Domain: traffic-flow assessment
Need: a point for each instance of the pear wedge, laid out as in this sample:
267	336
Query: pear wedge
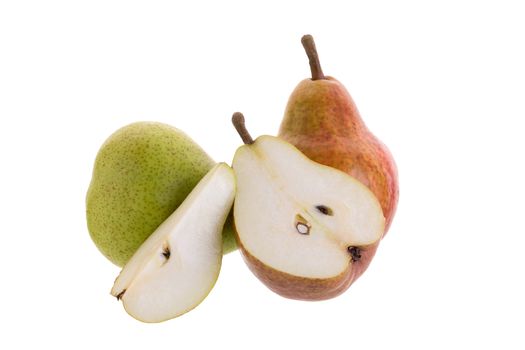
178	265
303	228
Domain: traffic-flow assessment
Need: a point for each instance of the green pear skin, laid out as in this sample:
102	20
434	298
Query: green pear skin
142	173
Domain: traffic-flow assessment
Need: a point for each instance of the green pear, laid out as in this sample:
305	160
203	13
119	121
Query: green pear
142	173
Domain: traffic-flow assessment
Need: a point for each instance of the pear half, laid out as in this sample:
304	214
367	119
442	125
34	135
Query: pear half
178	265
303	228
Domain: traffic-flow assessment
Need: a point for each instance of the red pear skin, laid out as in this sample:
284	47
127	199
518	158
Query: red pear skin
322	121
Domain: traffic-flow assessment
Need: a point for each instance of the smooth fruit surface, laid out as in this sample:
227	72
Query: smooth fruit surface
142	173
178	265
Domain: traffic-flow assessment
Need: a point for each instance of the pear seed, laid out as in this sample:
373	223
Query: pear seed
166	253
325	210
302	228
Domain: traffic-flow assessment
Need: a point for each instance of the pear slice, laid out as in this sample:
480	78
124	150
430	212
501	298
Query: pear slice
178	265
301	226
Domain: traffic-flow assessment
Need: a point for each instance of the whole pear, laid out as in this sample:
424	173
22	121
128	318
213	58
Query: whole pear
322	120
142	173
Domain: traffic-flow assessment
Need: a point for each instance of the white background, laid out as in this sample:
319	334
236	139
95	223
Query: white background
443	85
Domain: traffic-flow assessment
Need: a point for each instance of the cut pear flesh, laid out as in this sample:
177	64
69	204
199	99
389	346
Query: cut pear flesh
298	216
178	265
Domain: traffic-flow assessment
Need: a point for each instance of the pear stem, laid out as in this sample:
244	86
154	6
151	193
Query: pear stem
240	126
315	66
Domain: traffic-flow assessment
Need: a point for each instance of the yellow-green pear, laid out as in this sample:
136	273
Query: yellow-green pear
142	173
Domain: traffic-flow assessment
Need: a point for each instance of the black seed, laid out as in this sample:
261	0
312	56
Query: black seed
166	252
325	210
355	252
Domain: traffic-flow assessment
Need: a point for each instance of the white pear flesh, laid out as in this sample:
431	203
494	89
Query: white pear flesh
298	216
178	265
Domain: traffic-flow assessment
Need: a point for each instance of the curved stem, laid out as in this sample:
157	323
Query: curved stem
238	123
315	66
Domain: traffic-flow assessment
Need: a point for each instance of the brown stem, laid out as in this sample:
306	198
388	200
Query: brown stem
238	122
315	66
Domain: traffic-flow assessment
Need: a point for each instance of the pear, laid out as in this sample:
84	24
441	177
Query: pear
178	265
322	120
303	228
142	173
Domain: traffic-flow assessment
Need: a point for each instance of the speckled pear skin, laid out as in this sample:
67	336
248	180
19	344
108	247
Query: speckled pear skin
322	120
142	173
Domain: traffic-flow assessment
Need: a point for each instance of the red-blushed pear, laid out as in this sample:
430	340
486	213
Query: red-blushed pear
322	121
178	265
303	228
